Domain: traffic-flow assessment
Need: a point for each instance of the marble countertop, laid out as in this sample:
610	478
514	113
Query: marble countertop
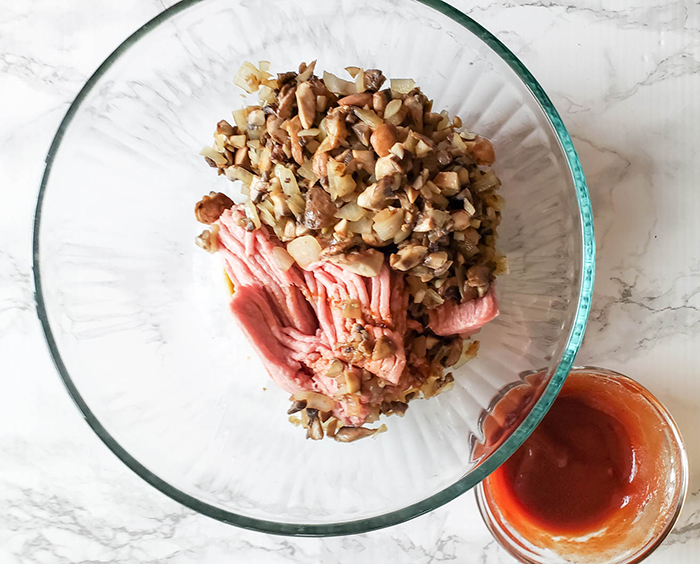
625	76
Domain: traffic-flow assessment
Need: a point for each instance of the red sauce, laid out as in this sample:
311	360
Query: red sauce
586	466
578	454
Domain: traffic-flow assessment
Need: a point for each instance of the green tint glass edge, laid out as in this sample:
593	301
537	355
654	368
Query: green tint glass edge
449	493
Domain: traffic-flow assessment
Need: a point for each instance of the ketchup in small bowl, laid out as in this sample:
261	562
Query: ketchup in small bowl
601	479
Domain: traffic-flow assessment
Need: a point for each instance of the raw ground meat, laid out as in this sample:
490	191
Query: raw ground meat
295	320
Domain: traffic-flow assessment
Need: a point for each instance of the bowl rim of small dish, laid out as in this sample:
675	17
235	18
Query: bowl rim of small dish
463	484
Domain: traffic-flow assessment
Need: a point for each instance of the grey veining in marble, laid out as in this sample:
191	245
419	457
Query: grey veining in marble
624	75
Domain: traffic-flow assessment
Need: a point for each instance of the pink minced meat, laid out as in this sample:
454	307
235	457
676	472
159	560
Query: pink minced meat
295	320
463	319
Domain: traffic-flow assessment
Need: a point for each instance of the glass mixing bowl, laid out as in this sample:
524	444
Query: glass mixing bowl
136	315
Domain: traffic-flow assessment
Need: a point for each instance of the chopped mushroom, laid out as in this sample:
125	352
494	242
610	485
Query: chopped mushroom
386	166
296	407
315	428
359	100
294	127
384	138
242	159
286	101
415	110
320	90
320	163
380	101
274	129
363	133
351	434
394	407
482	150
207	241
342	172
479	277
408	257
365	263
320	210
285	77
374	79
336	128
377	196
365	160
224	128
210	207
306	102
384	347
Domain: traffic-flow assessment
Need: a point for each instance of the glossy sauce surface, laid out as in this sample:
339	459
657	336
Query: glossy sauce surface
580	470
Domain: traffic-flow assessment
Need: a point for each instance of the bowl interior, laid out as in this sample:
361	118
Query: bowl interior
136	315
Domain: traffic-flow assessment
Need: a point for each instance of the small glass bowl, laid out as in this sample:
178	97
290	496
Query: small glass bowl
646	532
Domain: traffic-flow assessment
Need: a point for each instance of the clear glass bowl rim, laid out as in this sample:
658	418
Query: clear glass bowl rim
462	485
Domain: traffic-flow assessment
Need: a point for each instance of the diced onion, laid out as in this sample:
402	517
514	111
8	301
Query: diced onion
393	108
410	144
272	83
422	149
306	171
211	153
448	181
248	77
402	85
385	166
237	141
239	173
279	205
219	140
287	180
388	222
266	217
487	181
341	227
402	235
315	400
351	212
469	207
360	81
459	143
308	71
362	226
469	352
339	184
338	85
309	132
267	95
282	258
266	205
305	250
369	117
251	213
241	118
364	200
297	205
353	71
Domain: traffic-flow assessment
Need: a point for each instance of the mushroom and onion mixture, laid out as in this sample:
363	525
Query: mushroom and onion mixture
361	177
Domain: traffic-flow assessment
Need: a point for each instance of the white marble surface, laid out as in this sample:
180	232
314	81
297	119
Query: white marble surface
625	75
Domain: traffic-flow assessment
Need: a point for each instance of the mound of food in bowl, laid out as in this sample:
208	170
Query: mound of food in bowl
362	250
